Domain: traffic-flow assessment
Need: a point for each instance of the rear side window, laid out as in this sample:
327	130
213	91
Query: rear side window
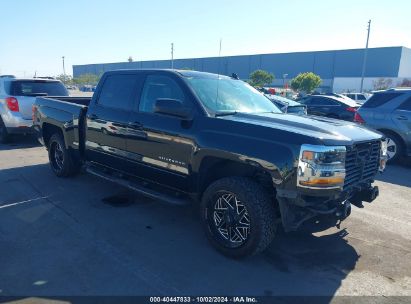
32	88
406	105
306	101
118	91
361	97
352	96
323	102
379	99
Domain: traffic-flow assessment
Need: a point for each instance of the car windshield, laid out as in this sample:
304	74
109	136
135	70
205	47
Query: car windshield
32	87
223	94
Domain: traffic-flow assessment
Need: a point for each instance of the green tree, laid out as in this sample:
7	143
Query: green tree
66	79
260	78
306	82
90	79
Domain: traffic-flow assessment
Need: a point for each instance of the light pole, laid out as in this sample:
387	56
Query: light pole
64	69
172	55
364	62
284	77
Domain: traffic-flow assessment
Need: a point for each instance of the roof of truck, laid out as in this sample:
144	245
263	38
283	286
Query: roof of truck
186	73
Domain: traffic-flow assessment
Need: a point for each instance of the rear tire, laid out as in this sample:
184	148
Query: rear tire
394	147
238	216
61	160
4	135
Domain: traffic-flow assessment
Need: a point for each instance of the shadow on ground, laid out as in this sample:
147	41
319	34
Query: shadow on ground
398	173
73	239
20	142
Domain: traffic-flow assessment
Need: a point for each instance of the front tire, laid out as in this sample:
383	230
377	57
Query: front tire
238	216
61	160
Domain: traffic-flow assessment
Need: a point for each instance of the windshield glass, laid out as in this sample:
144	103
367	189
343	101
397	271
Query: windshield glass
229	95
51	88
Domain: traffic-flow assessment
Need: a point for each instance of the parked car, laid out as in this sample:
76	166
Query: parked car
337	95
287	105
358	97
330	106
248	165
16	100
390	113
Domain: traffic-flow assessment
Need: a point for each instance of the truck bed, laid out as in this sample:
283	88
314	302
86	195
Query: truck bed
85	101
66	113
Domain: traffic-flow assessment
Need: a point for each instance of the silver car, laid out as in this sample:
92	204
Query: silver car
16	100
390	113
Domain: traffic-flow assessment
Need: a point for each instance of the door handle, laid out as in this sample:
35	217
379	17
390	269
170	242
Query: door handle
402	117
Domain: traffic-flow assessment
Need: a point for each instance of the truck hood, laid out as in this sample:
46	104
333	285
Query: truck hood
327	130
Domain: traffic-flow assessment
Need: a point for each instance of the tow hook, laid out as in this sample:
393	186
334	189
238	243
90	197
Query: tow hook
367	195
373	194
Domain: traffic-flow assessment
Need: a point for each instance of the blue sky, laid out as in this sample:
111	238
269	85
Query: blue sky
36	33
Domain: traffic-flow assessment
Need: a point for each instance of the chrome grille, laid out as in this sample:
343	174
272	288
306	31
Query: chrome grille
361	163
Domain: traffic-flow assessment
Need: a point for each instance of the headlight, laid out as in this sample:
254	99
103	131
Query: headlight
321	167
383	155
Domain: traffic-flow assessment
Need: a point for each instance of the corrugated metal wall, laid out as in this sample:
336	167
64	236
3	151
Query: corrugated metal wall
382	62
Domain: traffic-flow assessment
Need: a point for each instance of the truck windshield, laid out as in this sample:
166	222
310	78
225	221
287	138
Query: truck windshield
230	95
32	87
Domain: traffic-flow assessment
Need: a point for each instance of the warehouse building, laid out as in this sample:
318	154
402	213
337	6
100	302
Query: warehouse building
340	70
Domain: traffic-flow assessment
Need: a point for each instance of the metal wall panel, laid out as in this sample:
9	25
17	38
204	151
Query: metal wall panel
382	62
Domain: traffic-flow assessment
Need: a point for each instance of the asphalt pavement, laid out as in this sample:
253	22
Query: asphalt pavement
87	236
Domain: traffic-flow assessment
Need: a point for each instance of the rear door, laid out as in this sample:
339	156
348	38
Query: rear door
108	120
160	146
402	118
25	91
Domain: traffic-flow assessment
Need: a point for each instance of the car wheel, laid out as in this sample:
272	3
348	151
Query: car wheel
61	160
4	135
238	216
394	147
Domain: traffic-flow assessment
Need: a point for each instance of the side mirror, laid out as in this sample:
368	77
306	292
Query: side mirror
172	107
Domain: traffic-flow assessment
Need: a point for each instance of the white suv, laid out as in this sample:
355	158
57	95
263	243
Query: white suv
358	97
16	100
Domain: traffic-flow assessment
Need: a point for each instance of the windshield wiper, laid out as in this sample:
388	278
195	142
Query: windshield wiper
225	113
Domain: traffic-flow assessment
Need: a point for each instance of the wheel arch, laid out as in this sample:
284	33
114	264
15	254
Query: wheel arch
402	141
48	130
214	168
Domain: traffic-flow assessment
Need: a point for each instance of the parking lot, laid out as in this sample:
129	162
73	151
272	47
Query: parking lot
86	236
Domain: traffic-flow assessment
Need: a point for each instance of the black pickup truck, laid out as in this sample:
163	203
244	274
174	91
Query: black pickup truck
185	136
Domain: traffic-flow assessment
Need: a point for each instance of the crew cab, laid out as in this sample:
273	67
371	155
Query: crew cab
187	136
16	100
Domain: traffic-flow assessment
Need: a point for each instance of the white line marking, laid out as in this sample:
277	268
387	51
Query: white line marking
23	202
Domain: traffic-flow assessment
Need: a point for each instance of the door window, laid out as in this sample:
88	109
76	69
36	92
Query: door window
406	105
323	102
117	91
159	86
379	99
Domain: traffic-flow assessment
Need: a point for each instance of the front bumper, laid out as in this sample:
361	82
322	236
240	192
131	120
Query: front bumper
297	208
